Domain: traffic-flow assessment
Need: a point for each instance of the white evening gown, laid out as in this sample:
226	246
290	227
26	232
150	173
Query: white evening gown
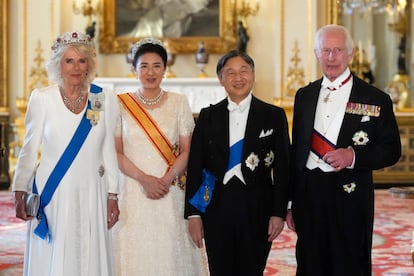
151	237
80	242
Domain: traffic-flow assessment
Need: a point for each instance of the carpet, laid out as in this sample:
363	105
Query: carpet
391	254
12	237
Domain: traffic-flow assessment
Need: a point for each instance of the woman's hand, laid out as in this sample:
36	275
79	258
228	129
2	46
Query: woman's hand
155	188
113	210
20	205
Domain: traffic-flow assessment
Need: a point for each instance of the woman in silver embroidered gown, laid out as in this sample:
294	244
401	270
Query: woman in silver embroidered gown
151	237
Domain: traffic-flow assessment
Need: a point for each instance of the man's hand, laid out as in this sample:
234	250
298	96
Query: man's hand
275	227
340	158
289	221
195	227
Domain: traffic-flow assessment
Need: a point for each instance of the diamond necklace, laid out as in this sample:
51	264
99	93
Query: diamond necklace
72	105
152	101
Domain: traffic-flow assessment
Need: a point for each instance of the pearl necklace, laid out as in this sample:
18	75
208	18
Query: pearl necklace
152	101
72	105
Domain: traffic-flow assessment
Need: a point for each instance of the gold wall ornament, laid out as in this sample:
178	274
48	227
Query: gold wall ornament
87	9
38	74
170	61
244	10
112	42
38	77
361	66
397	88
3	57
295	74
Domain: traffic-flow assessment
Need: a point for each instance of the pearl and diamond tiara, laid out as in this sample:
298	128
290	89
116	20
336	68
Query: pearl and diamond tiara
135	47
72	38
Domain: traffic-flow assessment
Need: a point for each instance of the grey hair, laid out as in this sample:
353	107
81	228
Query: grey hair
349	42
53	66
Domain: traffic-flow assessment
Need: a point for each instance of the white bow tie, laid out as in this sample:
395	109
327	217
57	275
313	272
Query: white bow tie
232	106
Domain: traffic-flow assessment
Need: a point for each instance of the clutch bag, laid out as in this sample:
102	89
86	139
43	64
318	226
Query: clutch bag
32	204
202	197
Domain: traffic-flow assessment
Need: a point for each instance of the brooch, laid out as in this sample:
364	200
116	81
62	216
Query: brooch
349	187
360	138
252	161
101	170
96	99
269	159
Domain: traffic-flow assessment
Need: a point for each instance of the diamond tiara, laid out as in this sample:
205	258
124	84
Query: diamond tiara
72	38
135	47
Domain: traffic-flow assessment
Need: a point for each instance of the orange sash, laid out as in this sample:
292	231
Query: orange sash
149	126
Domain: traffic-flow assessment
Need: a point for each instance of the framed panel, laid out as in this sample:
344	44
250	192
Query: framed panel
3	56
182	24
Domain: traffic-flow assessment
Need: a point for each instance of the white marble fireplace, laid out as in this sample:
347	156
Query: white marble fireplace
201	92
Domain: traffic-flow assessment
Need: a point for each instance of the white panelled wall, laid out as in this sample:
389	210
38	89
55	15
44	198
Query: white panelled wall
273	31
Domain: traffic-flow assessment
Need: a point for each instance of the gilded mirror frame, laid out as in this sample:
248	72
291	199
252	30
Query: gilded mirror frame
3	56
111	43
333	11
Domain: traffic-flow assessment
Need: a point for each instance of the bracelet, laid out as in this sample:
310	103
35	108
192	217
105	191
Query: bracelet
175	173
112	197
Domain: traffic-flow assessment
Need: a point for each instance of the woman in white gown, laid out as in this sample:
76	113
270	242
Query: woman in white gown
83	207
151	238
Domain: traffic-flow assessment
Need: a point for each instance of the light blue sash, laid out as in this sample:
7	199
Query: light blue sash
62	166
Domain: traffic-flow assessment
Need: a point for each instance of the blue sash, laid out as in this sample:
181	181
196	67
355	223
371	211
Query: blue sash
235	154
62	166
202	197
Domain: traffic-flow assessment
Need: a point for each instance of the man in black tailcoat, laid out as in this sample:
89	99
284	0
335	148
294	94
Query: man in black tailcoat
343	129
244	143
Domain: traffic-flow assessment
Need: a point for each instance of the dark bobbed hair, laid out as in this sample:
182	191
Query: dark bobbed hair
150	48
233	53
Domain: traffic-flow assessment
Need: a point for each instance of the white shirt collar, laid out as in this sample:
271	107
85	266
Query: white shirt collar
241	106
338	82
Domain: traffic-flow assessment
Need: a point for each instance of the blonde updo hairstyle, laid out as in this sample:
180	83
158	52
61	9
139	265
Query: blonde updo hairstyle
83	48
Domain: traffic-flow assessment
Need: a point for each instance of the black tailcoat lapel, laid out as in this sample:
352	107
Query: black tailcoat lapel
350	123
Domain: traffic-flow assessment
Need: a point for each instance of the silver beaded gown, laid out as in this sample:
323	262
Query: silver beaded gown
151	237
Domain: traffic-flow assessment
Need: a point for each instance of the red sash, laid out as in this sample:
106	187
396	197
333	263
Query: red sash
320	145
